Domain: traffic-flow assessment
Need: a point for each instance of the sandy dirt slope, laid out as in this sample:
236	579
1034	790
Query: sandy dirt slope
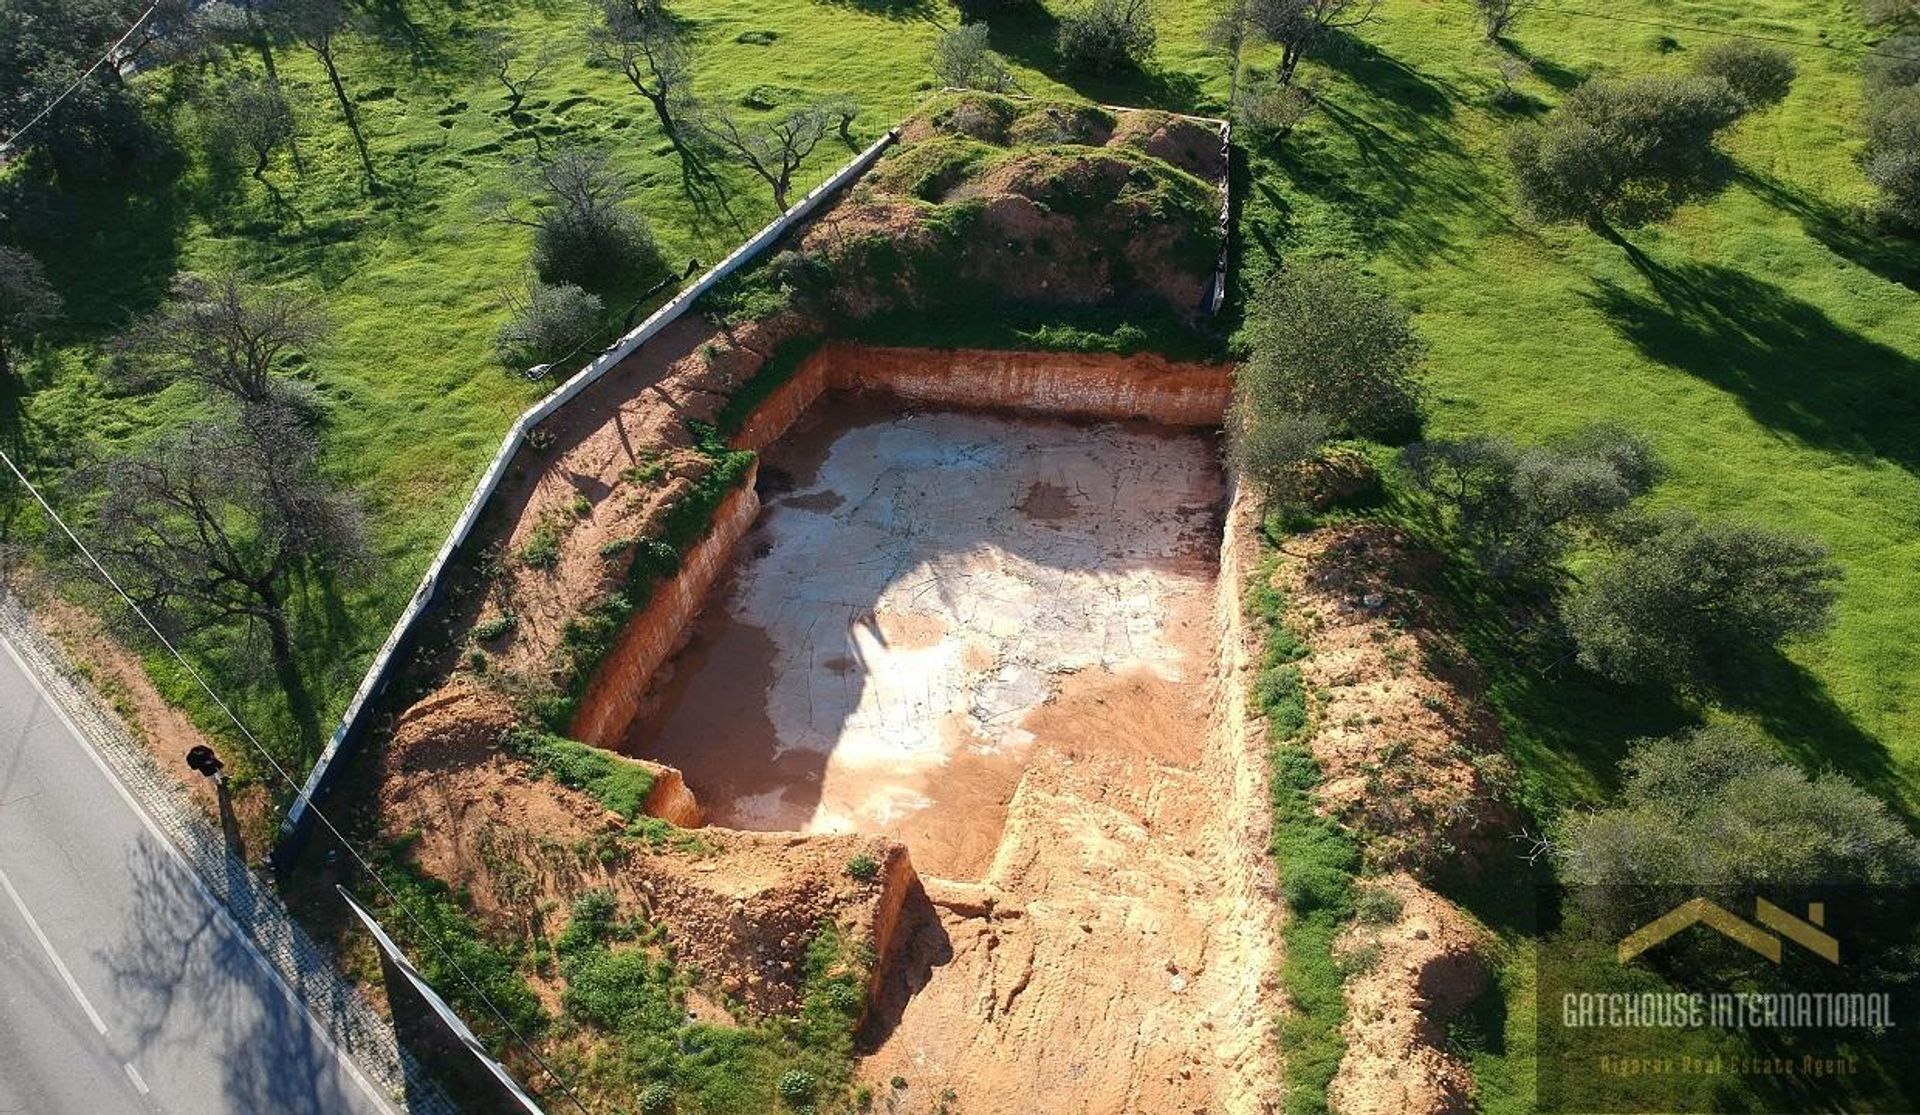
1115	958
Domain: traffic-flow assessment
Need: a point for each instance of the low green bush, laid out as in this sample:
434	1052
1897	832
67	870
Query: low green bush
620	784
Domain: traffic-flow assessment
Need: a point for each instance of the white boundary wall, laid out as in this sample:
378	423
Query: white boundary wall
299	819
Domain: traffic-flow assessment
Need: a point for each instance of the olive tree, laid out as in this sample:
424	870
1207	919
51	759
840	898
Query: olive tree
962	59
1107	36
252	114
1497	17
1892	159
642	40
27	304
1760	74
1685	602
1300	26
1518	508
547	322
1326	340
226	334
1623	149
1717	810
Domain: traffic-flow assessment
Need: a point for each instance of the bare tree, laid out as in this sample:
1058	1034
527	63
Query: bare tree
1497	17
775	150
517	75
319	24
212	523
225	334
645	43
1299	26
27	303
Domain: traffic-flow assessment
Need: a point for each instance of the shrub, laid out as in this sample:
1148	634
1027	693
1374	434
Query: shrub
797	1086
1893	151
1376	905
588	922
542	550
1687	603
1271	110
1758	73
656	1099
1623	149
585	234
863	868
1327	341
1107	36
494	626
547	323
962	59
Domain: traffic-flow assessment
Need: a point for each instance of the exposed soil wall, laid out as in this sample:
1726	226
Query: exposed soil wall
614	696
1056	384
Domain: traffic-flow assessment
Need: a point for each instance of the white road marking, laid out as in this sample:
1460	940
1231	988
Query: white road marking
59	965
133	1074
220	908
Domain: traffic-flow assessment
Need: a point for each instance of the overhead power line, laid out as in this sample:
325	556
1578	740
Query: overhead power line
298	788
68	91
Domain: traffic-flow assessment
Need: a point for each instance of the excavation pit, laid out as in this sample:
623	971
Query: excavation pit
931	600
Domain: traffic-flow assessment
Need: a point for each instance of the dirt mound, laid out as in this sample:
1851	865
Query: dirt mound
739	908
1414	760
1192	145
1031	202
1414	972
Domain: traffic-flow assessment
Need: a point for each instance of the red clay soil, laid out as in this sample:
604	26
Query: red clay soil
1414	972
1116	956
622	452
1192	145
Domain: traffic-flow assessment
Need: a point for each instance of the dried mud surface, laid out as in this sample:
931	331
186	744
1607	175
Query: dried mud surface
929	600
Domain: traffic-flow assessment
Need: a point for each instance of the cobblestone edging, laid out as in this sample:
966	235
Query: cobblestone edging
346	1016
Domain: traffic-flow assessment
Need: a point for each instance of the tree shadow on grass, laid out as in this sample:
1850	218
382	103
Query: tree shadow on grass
1795	708
1029	34
109	249
1547	70
1793	368
1409	180
892	9
1846	232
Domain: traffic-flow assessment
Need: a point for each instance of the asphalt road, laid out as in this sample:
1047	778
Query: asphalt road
123	985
